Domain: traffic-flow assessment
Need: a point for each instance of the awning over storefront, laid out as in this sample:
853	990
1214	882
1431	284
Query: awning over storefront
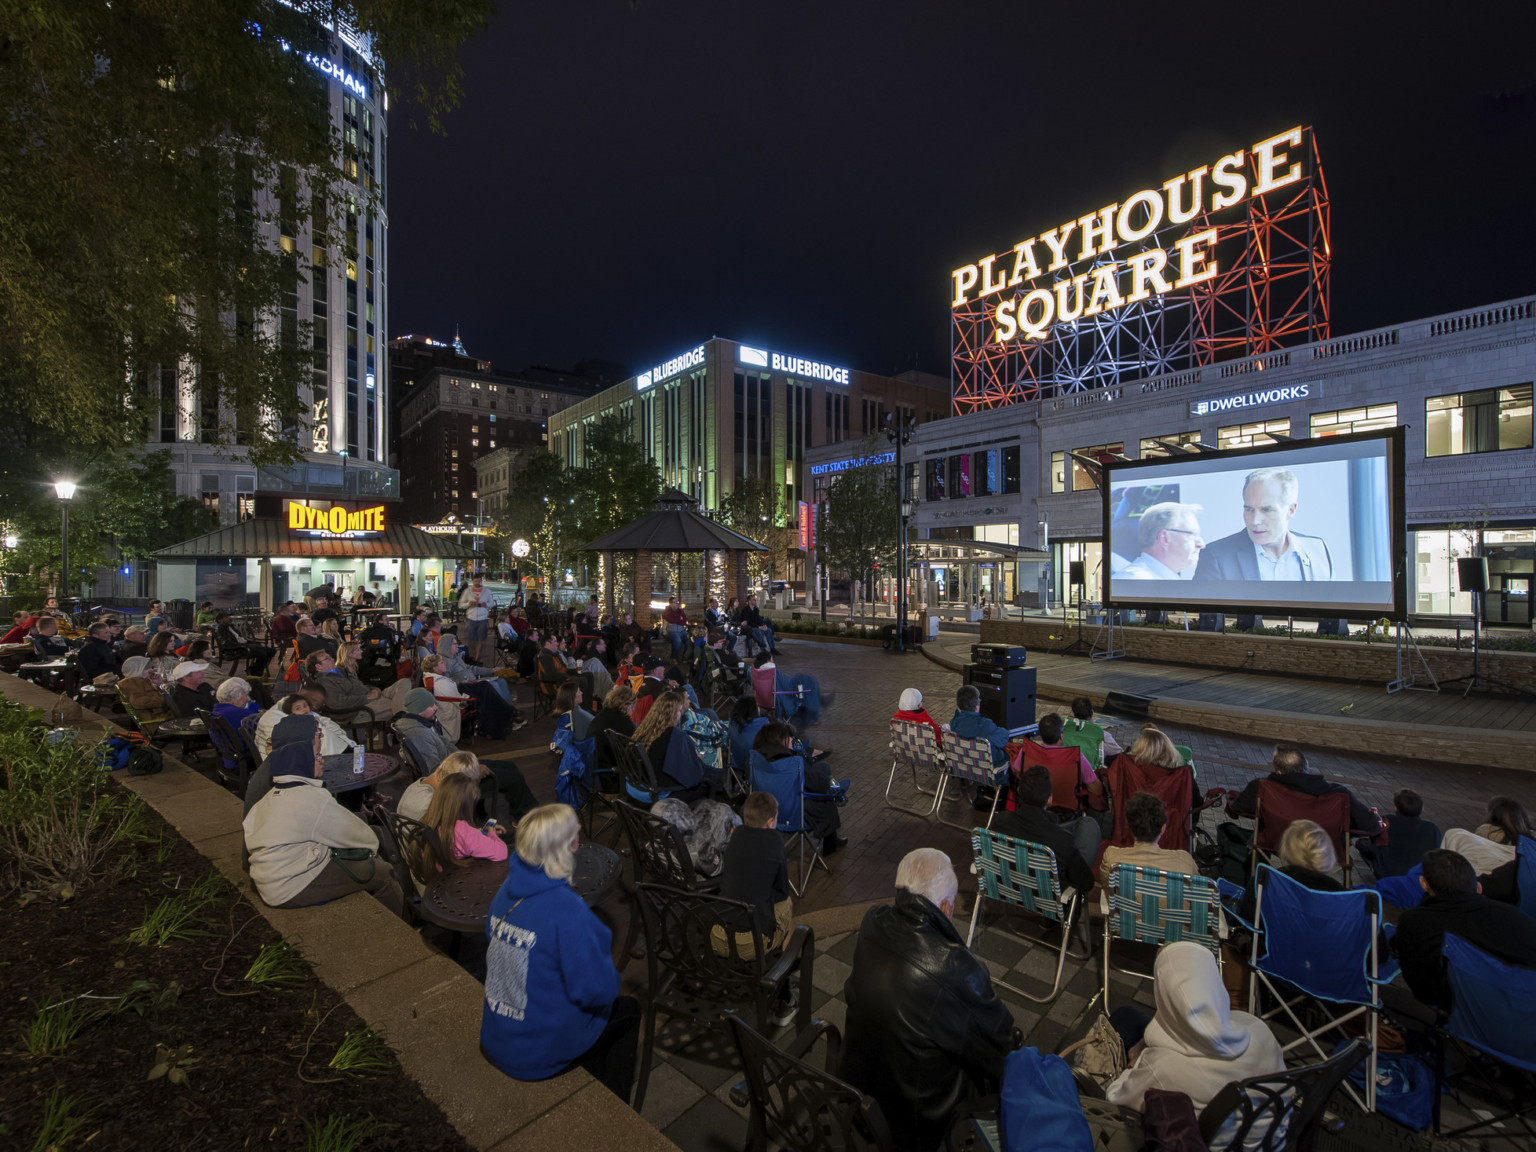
272	538
962	551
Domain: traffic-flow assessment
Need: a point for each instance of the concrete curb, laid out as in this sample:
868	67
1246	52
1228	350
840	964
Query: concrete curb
424	1005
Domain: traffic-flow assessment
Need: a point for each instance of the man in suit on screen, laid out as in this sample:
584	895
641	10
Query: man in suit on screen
1267	548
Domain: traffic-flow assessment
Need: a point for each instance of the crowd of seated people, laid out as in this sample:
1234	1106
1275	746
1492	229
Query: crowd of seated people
552	1000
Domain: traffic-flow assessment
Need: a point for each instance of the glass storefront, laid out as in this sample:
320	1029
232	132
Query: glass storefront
1511	557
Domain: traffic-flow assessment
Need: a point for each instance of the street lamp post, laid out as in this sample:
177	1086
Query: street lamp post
900	433
65	490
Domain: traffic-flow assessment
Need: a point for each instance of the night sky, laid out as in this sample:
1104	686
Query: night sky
624	181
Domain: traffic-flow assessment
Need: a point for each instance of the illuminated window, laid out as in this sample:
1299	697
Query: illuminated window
1150	446
493	419
1249	435
474	427
247	506
474	443
1058	471
1082	479
455	453
475	385
1490	420
493	443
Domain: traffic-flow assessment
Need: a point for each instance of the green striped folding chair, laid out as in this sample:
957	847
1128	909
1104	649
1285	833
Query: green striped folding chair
914	749
1151	906
970	768
1023	874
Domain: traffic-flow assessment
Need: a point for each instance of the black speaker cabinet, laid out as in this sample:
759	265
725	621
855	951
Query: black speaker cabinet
1075	572
1472	573
1007	694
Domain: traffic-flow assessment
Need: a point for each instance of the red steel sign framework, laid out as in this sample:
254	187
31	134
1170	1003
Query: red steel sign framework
1226	261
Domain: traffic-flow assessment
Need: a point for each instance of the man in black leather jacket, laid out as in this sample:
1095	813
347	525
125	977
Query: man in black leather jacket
924	1027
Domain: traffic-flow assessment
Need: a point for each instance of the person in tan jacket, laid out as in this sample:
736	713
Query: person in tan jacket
1147	816
291	831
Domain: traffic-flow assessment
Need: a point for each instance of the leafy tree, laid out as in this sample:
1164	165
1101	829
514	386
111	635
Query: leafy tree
143	145
125	507
859	530
619	483
756	509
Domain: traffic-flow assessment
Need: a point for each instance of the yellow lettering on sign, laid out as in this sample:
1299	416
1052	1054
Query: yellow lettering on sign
334	521
296	514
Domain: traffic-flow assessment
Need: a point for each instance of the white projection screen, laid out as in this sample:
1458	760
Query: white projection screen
1299	528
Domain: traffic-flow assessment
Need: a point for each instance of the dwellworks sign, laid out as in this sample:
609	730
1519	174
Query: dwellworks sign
1251	399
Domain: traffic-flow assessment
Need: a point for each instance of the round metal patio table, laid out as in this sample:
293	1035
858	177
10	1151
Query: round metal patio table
460	898
340	778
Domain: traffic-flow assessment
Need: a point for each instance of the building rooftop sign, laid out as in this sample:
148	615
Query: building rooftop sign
670	368
1162	280
791	365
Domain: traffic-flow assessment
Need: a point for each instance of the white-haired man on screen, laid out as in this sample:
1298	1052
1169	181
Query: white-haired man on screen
1169	534
1267	548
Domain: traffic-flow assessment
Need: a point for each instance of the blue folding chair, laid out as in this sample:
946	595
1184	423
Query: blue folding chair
1323	945
1150	906
784	779
1493	1012
1525	852
1023	874
914	748
970	767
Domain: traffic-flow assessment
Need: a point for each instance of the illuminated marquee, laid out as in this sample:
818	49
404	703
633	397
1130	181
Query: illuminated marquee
335	523
1179	201
793	365
1227	259
671	368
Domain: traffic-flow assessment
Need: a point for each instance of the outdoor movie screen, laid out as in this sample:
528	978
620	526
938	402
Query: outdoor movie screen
1303	528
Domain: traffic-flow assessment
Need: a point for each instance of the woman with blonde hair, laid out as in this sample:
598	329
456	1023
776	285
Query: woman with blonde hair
1153	747
1306	856
551	990
679	769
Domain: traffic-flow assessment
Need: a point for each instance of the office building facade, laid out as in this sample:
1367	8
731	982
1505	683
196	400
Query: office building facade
724	411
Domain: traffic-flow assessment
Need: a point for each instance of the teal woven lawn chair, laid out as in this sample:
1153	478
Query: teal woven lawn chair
970	767
914	748
1150	906
1023	875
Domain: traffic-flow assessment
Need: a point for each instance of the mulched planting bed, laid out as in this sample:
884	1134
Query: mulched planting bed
238	1064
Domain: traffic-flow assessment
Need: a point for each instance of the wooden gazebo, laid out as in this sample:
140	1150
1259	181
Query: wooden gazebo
676	526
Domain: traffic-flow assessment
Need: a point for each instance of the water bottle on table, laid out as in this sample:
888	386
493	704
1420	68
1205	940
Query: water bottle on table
357	759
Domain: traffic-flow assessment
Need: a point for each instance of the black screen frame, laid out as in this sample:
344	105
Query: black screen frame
1395	439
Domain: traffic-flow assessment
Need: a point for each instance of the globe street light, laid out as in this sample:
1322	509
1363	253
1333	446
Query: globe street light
65	489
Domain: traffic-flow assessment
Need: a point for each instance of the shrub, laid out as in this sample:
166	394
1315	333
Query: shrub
60	817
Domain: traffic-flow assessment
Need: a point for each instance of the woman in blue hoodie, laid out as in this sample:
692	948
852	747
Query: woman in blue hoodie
551	990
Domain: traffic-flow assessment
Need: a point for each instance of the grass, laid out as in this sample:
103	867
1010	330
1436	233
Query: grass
363	1054
279	963
55	1027
63	1116
338	1133
178	917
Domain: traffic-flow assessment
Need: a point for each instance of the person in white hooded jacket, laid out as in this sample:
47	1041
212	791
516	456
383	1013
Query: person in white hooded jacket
1194	1043
290	832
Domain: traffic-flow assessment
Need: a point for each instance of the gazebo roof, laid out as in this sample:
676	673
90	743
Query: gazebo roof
674	527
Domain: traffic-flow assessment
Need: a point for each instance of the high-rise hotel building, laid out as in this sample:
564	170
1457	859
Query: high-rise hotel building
341	290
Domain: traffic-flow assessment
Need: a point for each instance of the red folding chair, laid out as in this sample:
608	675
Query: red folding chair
1065	765
765	683
1279	807
1173	786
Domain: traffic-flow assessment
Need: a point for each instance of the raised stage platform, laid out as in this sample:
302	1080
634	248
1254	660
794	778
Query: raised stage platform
1445	727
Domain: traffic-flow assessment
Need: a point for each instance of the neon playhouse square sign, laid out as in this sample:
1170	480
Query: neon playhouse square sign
1109	282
